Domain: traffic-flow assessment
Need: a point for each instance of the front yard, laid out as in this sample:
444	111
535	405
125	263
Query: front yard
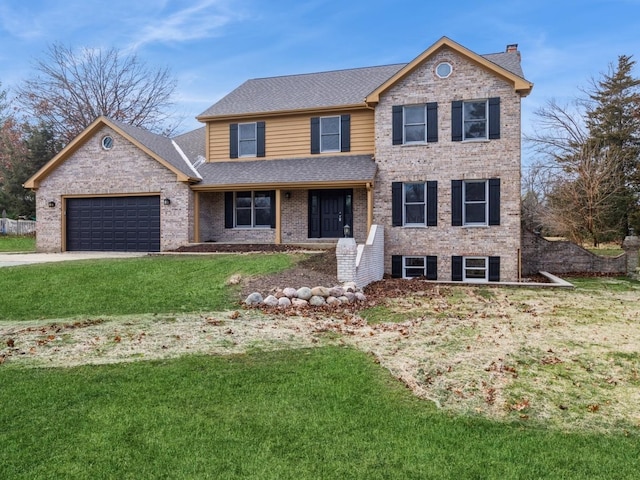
503	382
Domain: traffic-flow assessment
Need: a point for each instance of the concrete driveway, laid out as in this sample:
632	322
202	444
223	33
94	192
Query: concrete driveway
13	259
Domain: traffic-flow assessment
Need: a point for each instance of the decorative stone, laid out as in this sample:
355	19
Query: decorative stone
333	301
317	301
350	287
290	292
320	292
304	293
351	297
284	302
271	301
345	299
361	297
336	292
298	302
254	299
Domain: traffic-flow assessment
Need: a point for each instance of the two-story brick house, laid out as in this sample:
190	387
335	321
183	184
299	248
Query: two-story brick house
429	150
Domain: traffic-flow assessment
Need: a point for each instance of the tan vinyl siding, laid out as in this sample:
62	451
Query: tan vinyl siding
290	136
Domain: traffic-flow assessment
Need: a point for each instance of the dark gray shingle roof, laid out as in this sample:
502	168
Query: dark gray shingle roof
323	89
352	168
295	92
192	143
160	145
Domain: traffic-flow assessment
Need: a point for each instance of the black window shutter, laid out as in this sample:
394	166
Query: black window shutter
432	267
494	269
432	122
233	140
260	147
494	118
228	209
432	203
396	204
272	197
315	135
396	124
345	133
456	121
456	269
456	203
494	201
396	266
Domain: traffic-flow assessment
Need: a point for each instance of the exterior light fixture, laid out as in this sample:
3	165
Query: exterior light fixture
166	201
287	195
51	204
347	231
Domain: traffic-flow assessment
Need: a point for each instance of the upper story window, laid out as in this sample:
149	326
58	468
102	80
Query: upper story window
414	124
331	134
415	205
474	116
475	202
475	120
247	139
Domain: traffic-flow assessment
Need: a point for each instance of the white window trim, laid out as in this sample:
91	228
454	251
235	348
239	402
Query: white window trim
486	121
253	212
405	124
486	204
254	140
327	150
405	203
475	280
405	267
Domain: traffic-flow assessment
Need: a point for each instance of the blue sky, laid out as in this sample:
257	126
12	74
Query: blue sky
212	46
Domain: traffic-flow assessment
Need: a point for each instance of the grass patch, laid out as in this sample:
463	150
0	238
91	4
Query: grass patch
305	414
13	243
124	286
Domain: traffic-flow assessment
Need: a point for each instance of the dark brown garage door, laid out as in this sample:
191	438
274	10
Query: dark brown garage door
114	224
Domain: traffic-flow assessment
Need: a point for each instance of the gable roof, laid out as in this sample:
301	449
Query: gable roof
506	65
343	88
309	91
158	147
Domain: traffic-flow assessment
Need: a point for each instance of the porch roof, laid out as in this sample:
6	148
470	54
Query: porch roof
308	172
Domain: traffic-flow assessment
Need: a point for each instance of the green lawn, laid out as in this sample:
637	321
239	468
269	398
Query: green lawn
307	414
124	286
12	243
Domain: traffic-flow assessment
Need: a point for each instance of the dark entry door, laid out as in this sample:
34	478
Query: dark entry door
329	212
113	224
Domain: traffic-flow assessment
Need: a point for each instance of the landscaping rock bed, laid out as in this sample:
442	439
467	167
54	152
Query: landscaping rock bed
305	296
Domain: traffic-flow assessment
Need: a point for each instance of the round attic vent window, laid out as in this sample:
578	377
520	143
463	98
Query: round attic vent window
107	142
443	70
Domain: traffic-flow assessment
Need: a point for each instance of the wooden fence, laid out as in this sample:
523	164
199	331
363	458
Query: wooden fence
17	227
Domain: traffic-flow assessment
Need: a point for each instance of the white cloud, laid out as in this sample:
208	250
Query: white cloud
202	20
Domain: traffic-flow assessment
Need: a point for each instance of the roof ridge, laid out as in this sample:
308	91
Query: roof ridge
328	71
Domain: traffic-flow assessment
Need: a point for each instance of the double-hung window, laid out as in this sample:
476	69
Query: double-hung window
475	269
414	266
253	209
414	123
247	140
475	120
414	204
476	206
329	134
475	202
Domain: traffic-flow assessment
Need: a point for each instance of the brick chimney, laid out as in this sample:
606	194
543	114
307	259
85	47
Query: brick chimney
512	48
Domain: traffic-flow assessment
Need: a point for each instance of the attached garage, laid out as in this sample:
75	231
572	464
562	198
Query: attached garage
121	224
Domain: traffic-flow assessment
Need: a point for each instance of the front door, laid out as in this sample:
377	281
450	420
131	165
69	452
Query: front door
329	212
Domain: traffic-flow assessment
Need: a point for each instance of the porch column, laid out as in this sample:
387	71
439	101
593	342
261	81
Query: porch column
369	207
278	232
196	217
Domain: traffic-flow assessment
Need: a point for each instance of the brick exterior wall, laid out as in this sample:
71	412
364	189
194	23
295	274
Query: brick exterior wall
445	160
123	170
295	220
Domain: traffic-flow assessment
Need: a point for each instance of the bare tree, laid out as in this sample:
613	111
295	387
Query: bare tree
70	90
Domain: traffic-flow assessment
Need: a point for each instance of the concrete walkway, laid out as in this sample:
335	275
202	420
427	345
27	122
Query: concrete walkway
13	259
